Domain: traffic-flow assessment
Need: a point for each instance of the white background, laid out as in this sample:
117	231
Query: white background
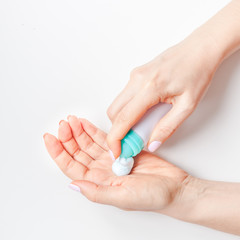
73	57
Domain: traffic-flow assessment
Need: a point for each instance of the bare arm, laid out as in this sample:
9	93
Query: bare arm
180	76
153	185
209	203
224	29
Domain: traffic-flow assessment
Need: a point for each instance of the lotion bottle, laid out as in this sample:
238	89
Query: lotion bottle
135	140
137	137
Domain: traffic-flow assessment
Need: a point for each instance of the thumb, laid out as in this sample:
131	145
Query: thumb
169	123
110	195
128	116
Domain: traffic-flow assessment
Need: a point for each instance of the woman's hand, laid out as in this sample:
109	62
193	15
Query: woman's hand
153	185
81	153
179	76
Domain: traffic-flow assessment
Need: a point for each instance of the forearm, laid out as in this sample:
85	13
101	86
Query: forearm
209	203
224	27
220	35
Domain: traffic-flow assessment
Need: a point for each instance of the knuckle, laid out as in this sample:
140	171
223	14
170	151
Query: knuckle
95	196
110	113
123	117
157	84
110	139
167	131
151	95
189	103
152	85
137	73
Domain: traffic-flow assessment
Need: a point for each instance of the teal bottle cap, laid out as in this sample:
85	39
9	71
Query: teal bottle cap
132	144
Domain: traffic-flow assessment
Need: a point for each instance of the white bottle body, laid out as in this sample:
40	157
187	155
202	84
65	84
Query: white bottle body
143	128
150	119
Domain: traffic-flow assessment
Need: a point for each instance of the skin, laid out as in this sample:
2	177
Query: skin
81	153
179	76
154	184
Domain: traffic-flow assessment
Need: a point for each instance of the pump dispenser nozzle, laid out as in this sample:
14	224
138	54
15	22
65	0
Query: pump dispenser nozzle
131	145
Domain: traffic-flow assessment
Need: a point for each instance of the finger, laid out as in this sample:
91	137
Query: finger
121	100
169	123
85	142
65	162
110	195
70	145
97	135
127	117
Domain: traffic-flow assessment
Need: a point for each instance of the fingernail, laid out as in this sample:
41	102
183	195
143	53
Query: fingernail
74	187
154	146
60	122
44	135
111	155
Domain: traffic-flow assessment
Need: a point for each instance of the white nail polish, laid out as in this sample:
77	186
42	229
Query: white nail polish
74	187
154	146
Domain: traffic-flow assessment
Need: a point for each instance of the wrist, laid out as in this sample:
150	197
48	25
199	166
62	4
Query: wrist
208	203
186	200
209	55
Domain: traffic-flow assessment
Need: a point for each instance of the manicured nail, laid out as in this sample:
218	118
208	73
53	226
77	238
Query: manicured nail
111	155
74	187
154	146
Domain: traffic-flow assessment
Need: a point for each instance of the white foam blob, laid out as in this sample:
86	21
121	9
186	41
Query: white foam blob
122	166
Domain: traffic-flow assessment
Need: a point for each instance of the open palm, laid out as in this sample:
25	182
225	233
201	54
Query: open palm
82	154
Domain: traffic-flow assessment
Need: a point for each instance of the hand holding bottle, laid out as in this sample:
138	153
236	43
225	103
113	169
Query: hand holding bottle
178	76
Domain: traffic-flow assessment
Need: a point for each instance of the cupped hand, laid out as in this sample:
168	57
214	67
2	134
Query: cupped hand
82	154
178	76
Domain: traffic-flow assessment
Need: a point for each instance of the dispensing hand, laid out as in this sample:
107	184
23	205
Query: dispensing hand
179	76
